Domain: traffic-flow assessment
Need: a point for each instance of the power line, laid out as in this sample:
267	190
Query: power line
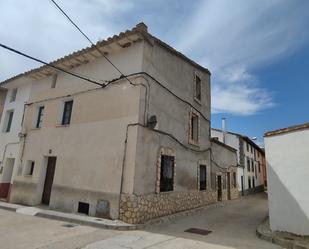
50	65
95	46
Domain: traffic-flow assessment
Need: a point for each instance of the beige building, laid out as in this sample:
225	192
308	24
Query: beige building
137	148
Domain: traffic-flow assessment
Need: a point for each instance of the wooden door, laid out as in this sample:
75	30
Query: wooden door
219	182
50	171
229	186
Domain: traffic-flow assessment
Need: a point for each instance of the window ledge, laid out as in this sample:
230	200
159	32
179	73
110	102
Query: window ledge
193	142
61	125
198	100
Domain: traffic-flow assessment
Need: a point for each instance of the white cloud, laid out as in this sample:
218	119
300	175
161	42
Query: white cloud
233	38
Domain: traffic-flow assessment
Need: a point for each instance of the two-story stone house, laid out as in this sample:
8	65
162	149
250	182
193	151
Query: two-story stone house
136	148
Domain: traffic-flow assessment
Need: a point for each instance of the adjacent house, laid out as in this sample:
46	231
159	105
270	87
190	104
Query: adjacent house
250	157
15	95
135	148
287	161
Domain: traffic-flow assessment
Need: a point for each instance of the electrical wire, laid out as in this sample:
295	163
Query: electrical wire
50	65
83	33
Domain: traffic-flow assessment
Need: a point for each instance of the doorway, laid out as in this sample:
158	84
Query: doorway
219	183
242	186
7	173
228	186
49	178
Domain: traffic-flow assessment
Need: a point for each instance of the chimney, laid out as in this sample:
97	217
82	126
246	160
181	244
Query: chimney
223	120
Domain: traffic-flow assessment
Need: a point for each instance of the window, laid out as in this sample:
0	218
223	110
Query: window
40	117
234	180
8	121
203	177
167	173
252	166
247	147
54	80
67	111
194	134
29	168
248	165
13	95
83	208
251	148
198	88
249	182
259	168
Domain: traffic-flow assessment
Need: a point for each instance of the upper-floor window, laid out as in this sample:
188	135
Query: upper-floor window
203	177
197	88
67	111
167	173
39	117
248	165
247	147
8	121
194	128
54	80
13	95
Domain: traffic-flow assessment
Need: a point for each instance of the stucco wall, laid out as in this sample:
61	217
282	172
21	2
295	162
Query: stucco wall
9	141
2	99
287	174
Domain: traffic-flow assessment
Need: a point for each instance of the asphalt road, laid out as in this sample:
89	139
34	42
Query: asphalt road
232	226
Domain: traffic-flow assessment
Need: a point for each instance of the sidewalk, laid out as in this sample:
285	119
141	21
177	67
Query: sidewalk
69	217
284	239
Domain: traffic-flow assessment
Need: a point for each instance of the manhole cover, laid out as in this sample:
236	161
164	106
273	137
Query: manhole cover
69	225
198	231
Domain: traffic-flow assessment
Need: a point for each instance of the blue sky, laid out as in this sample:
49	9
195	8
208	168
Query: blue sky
257	50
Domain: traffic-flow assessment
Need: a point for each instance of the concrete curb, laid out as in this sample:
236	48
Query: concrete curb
91	223
99	223
285	240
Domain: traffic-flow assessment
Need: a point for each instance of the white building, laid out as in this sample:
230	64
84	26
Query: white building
287	158
10	127
249	156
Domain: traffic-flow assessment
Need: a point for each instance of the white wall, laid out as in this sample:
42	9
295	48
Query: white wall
287	174
9	147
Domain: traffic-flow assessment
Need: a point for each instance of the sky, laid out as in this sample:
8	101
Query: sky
257	50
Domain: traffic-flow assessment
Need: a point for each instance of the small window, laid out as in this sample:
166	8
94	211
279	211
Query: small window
252	166
259	168
8	121
29	168
202	179
198	88
13	95
247	147
194	132
40	117
67	111
249	182
251	149
167	173
54	80
83	208
248	165
234	180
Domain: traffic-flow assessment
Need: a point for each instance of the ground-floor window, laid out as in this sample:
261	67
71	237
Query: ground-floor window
203	177
249	182
167	173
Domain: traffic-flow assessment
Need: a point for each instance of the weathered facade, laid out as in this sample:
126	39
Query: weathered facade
2	99
137	148
251	161
287	159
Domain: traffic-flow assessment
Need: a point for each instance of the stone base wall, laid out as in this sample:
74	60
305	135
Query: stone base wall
234	193
138	209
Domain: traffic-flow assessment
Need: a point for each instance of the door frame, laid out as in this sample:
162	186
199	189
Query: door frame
44	175
228	175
